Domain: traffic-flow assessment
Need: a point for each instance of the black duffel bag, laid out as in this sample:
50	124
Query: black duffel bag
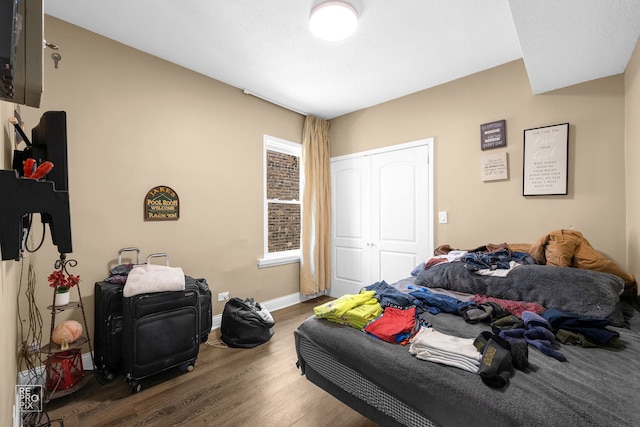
245	323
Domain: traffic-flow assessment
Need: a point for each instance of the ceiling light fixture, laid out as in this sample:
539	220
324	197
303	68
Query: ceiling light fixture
333	21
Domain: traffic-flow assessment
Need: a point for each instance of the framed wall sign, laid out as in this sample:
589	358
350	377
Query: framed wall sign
546	160
161	204
493	135
494	166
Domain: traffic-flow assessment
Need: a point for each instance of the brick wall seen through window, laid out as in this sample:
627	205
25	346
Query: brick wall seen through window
283	195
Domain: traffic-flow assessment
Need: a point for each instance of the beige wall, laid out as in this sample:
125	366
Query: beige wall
8	292
494	212
632	156
134	122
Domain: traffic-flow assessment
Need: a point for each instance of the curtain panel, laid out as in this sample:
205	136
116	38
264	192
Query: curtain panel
315	259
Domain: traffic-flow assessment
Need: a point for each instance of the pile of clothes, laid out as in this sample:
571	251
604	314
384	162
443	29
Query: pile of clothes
398	317
395	323
386	313
355	310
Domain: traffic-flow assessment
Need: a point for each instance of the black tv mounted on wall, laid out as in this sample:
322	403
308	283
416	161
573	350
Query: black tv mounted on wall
49	197
21	51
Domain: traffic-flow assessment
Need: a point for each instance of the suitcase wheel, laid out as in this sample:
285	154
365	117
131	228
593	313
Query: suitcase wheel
104	376
190	367
136	387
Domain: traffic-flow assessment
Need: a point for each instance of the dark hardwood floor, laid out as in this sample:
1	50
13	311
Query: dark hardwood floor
228	387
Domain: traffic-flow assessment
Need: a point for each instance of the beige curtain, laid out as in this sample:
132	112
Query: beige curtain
315	261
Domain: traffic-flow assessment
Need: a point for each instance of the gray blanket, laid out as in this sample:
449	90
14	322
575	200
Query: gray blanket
595	387
584	292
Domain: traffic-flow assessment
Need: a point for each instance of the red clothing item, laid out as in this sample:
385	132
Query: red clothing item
513	307
433	261
394	325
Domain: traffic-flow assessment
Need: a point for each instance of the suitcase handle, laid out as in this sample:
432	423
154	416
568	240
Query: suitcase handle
159	255
132	249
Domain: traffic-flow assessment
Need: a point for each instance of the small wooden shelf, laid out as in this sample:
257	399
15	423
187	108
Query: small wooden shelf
53	348
59	308
56	394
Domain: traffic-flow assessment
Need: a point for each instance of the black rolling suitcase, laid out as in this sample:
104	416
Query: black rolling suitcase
161	330
107	334
206	309
107	348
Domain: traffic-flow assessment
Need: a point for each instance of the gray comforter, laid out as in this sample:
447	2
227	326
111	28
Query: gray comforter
595	387
584	292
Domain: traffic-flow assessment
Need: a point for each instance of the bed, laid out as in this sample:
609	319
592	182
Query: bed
595	386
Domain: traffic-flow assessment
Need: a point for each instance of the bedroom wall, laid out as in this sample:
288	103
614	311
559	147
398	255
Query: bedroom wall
134	122
8	290
632	156
494	212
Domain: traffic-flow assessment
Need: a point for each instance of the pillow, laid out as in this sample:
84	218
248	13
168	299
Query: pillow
418	269
583	292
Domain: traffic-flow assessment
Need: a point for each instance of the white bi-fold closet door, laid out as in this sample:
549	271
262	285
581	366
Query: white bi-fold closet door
382	219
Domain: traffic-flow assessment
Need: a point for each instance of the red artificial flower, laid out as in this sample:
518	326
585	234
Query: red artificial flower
61	283
73	280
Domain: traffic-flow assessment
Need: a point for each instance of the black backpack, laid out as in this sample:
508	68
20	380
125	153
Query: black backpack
245	323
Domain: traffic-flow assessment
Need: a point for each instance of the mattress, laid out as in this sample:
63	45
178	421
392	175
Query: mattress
384	382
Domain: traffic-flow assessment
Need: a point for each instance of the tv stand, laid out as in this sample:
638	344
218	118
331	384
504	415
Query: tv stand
22	196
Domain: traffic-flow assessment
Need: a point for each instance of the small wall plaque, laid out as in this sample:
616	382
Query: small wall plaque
493	135
161	204
494	167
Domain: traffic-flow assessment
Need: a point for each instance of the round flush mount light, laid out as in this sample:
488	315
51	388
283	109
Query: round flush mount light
333	21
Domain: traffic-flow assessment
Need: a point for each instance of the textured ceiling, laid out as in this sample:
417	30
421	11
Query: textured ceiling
402	46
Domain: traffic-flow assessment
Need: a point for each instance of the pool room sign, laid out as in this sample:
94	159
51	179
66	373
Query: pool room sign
161	204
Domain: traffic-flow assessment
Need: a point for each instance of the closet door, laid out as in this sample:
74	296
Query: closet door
350	240
380	217
399	212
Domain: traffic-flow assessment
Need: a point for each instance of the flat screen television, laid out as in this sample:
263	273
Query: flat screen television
21	51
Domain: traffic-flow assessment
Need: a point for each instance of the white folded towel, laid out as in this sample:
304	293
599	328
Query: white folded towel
433	346
148	278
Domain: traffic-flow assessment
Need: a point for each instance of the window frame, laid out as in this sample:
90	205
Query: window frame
271	143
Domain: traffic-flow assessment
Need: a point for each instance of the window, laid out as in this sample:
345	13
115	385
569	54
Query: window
282	180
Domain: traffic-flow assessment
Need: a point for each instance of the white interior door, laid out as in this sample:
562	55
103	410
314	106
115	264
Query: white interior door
382	223
399	212
350	195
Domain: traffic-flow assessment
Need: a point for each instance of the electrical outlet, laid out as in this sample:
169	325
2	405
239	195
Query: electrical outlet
34	347
223	296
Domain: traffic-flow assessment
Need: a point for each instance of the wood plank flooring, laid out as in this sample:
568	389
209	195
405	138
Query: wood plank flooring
228	387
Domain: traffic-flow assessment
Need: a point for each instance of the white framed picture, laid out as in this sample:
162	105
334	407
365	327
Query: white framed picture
546	160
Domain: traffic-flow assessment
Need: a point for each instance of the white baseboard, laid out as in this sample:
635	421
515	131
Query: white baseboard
17	417
37	377
31	378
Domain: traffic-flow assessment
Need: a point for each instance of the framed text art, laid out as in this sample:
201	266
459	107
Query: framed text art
493	135
546	160
494	167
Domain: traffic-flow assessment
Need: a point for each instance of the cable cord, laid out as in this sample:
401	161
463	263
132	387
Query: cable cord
30	326
31	342
40	419
216	343
44	232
